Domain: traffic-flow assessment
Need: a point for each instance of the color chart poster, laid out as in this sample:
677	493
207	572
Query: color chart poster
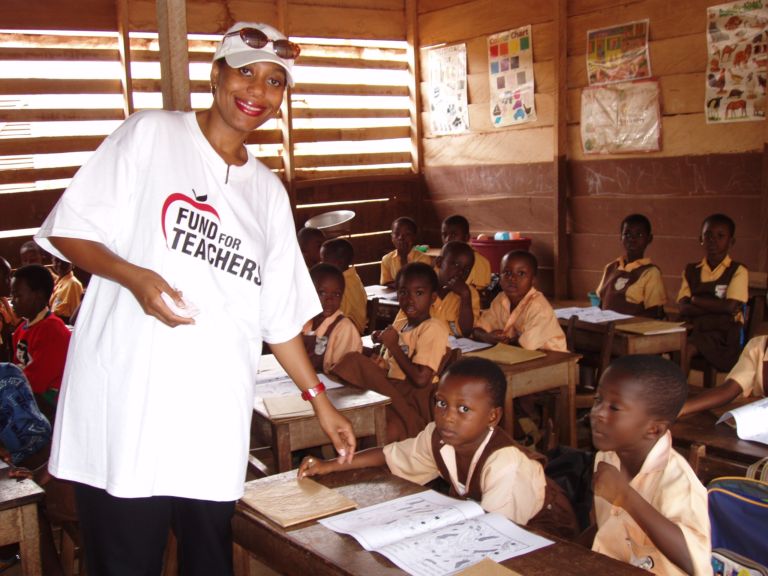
737	43
618	54
448	90
510	57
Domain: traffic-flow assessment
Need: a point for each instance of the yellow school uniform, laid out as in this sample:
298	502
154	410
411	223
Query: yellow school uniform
533	320
480	275
343	339
750	368
390	264
738	289
426	345
668	483
649	288
66	295
448	308
354	303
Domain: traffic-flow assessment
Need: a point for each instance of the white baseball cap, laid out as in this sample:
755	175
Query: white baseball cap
238	54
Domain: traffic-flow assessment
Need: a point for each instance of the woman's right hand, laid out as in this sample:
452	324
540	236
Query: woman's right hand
147	287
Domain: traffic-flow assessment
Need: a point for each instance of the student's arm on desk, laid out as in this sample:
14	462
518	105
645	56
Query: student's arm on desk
494	337
611	484
371	458
293	358
145	285
416	373
700	305
712	398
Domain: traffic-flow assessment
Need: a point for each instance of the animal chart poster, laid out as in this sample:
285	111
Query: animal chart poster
448	90
510	58
618	54
737	41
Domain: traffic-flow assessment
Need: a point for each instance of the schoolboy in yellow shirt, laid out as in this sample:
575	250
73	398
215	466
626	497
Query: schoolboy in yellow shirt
457	303
330	335
354	303
456	228
520	314
712	294
650	508
404	231
413	350
632	284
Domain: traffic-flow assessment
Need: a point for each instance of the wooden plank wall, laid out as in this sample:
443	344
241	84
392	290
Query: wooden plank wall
502	179
360	19
700	170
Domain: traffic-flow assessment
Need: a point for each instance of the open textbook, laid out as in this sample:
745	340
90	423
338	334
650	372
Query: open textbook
750	420
429	534
590	314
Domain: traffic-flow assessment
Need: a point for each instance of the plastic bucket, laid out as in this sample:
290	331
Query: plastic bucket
494	250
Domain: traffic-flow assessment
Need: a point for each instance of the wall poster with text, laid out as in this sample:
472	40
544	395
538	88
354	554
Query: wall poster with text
618	53
510	61
620	118
737	44
448	90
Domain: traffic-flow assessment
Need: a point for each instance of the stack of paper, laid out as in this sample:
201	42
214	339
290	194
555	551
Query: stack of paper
591	314
750	421
506	354
291	501
650	327
466	345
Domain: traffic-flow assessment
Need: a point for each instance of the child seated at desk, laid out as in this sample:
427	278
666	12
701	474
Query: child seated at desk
413	347
712	294
457	303
749	377
354	303
465	446
41	341
455	228
650	508
404	231
330	335
520	314
631	284
310	240
8	319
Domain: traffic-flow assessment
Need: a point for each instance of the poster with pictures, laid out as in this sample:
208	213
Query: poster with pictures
618	53
510	59
448	90
737	43
620	118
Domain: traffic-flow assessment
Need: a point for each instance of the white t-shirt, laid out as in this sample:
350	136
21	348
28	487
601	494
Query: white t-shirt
150	410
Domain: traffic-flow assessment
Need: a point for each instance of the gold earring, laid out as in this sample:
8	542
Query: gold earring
213	89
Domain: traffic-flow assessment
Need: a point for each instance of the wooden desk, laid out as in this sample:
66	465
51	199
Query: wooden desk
625	344
311	548
714	450
18	520
557	370
365	409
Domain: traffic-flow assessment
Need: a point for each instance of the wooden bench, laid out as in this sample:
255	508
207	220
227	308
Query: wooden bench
18	520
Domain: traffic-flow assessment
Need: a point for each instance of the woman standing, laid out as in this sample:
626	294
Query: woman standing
191	244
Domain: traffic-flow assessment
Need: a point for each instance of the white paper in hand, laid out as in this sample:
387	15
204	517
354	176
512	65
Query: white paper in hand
188	311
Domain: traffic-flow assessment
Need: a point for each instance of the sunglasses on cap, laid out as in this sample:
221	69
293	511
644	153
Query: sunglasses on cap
255	38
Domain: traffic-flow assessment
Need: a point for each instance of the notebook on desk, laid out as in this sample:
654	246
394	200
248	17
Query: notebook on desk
651	327
292	501
506	354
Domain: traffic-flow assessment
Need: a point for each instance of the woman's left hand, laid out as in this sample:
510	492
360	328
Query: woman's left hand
336	427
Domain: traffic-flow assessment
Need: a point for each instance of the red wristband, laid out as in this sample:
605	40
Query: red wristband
313	392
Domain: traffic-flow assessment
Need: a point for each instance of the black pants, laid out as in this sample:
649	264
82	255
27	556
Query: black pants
127	536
